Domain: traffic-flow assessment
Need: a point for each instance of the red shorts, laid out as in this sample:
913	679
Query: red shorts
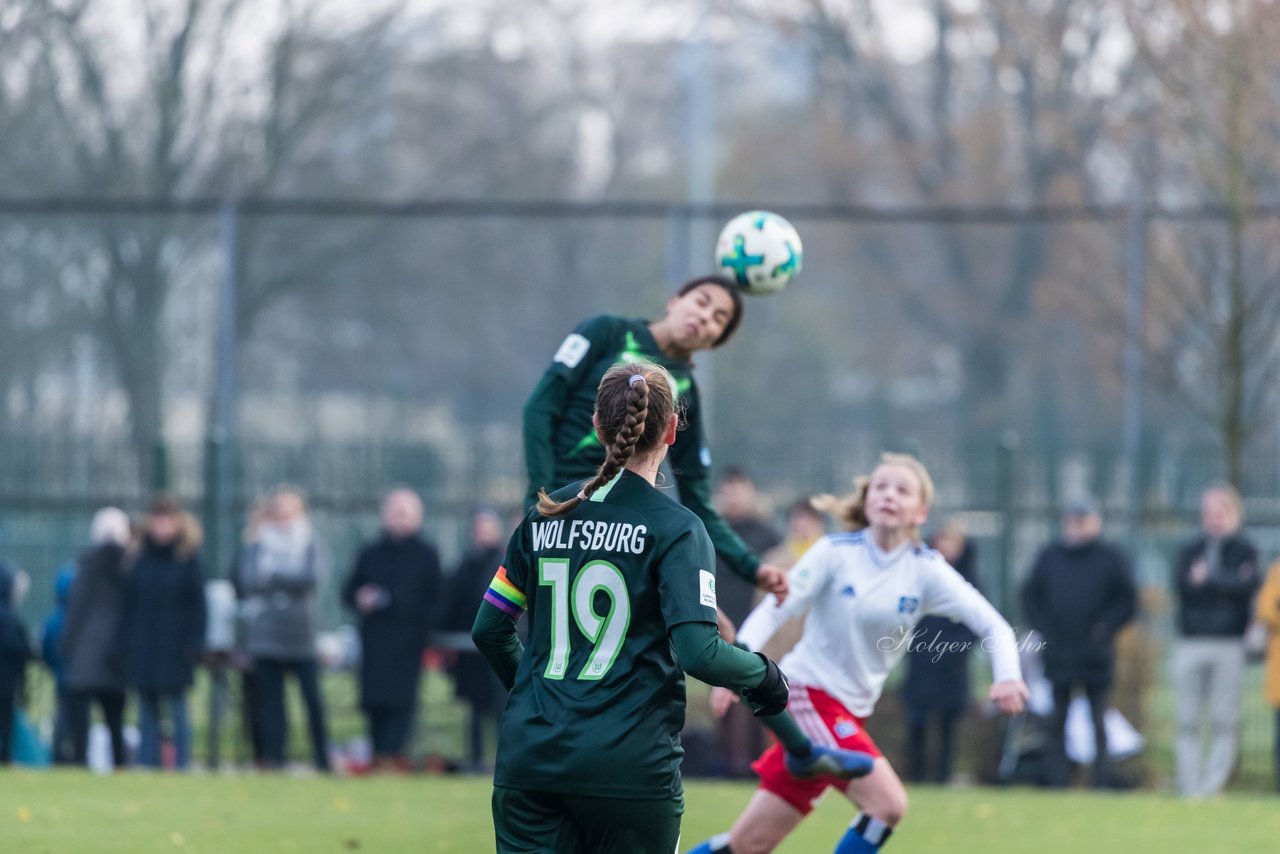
828	723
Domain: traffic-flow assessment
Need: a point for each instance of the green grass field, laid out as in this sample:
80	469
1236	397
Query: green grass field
66	811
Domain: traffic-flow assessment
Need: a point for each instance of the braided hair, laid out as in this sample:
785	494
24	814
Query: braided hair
634	404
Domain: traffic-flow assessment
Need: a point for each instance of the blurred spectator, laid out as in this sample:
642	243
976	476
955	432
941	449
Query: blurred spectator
250	719
738	503
1079	594
937	683
1215	577
805	526
394	588
163	625
739	738
15	652
276	578
474	680
50	635
90	643
1268	611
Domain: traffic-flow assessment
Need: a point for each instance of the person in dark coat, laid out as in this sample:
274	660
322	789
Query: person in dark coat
937	683
90	643
474	680
739	737
276	578
395	589
1078	596
163	626
15	652
50	653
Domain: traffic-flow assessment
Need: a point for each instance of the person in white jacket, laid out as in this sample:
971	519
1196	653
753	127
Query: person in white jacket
863	593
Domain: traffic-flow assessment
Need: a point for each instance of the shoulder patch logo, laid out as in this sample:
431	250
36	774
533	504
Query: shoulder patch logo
704	457
706	588
572	350
908	604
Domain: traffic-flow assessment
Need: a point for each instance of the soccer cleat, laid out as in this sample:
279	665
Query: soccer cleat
845	764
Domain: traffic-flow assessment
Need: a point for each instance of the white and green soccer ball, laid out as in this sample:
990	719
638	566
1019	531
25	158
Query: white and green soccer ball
759	250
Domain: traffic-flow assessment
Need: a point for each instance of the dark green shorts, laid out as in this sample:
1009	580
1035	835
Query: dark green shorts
528	822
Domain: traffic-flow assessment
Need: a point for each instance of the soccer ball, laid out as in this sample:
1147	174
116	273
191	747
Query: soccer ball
759	250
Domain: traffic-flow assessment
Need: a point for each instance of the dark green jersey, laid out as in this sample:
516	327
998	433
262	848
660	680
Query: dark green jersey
561	445
598	701
582	359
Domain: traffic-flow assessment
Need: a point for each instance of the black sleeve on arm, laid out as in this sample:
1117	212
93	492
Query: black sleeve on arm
1123	602
541	412
1182	568
702	654
1033	610
494	634
1233	582
354	582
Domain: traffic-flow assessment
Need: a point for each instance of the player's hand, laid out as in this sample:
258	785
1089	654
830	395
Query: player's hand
1199	573
1010	696
772	579
721	700
770	696
370	598
725	626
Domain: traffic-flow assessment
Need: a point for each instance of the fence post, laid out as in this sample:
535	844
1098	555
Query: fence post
1006	499
159	466
1135	286
213	499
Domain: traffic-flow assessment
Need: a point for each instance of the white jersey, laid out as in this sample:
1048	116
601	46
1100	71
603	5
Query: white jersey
863	605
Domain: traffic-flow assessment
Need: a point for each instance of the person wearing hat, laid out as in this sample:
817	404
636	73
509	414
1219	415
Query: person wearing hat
90	640
1078	596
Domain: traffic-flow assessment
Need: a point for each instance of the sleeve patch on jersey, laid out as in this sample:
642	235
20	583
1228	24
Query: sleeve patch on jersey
705	458
706	588
572	350
504	595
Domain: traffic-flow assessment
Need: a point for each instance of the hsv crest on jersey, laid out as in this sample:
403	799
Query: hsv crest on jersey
848	592
908	604
845	727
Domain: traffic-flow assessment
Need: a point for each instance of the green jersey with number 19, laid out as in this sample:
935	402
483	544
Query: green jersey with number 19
599	699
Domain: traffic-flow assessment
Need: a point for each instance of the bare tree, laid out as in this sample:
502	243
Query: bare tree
999	102
172	100
1216	301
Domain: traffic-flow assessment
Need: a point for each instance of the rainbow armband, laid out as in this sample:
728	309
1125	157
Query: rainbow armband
504	595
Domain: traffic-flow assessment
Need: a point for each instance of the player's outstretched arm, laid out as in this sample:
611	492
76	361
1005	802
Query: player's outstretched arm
494	634
706	657
542	410
695	494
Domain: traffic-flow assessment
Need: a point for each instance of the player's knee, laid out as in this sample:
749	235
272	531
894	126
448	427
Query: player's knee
896	809
752	840
891	807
